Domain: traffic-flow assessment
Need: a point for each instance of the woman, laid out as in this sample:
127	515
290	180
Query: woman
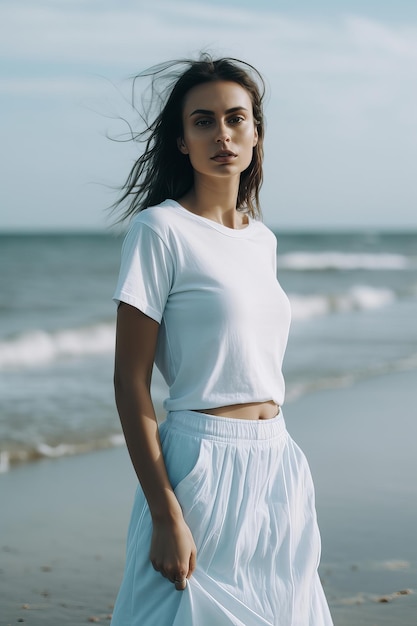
224	513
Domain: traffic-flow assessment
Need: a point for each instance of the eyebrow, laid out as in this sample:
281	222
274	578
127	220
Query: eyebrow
207	112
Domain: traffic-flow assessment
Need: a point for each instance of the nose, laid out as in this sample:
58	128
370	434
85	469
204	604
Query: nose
223	136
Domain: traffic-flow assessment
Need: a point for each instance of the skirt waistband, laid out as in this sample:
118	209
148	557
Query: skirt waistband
195	423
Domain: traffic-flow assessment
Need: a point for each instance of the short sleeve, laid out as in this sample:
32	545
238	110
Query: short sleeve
146	271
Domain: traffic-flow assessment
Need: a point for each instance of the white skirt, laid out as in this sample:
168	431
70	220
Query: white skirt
247	495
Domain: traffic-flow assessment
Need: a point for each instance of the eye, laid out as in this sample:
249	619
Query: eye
203	122
237	119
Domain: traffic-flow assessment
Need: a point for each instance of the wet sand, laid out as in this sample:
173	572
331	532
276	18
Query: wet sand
63	522
361	445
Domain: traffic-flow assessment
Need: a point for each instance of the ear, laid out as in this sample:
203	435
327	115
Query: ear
181	145
255	136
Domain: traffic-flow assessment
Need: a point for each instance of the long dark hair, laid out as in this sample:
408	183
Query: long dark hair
162	171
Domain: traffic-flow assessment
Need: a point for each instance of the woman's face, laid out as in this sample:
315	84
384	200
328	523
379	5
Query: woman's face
219	131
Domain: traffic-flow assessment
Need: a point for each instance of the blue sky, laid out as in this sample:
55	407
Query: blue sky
341	149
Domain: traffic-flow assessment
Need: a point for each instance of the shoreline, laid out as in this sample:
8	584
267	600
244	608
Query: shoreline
64	521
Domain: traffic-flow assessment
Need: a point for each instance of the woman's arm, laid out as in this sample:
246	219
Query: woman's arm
173	551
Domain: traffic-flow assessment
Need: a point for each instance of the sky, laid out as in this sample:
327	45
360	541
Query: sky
341	110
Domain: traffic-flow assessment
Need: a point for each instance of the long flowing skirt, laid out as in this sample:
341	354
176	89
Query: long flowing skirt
247	495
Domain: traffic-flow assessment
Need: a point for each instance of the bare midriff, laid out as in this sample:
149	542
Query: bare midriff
249	411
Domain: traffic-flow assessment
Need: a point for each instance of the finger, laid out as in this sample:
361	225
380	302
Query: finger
192	565
162	572
180	584
160	569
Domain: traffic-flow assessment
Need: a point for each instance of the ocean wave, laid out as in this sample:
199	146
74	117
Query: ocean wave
16	452
39	347
43	450
296	390
358	298
314	261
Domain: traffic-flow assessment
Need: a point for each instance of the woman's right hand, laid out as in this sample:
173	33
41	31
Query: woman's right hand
173	551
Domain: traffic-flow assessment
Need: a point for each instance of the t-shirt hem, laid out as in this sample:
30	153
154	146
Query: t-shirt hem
172	405
138	304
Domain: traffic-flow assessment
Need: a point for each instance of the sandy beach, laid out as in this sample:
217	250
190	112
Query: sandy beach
360	442
63	522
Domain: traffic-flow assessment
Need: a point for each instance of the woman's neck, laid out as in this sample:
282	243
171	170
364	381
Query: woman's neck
215	202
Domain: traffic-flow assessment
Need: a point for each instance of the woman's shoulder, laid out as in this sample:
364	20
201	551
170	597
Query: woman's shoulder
158	218
265	231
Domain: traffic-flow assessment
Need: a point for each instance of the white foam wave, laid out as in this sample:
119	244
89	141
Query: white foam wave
43	450
25	452
4	462
307	261
359	298
296	390
39	347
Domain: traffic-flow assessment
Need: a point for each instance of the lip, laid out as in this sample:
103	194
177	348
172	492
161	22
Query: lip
224	156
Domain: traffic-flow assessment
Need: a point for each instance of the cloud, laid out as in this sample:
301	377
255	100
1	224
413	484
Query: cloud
92	34
344	65
342	111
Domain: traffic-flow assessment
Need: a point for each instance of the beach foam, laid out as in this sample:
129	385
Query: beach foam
313	261
25	453
39	347
36	446
343	380
358	298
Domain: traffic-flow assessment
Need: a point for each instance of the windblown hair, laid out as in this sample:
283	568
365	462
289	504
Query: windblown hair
162	171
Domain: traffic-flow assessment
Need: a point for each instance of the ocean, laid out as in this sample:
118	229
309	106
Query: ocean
354	304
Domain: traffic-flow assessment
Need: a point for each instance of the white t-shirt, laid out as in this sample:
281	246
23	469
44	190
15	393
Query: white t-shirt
223	316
